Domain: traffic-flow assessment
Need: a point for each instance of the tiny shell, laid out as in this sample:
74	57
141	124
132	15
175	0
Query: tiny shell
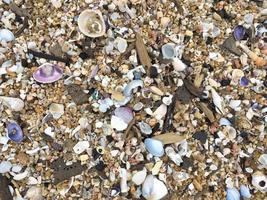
125	113
47	73
178	65
239	32
34	193
156	90
118	123
5	167
123	181
234	104
120	44
14	132
15	104
155	147
244	191
6	35
139	177
131	86
160	112
232	194
263	160
57	110
153	189
145	128
138	106
225	122
259	181
81	146
218	101
20	176
91	23
168	51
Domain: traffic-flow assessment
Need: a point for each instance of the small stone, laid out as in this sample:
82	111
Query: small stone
201	136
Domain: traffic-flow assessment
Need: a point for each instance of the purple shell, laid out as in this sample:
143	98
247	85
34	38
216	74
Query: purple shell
125	113
239	32
244	81
47	73
14	132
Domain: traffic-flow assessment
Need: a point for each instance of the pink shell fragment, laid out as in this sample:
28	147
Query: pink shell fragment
47	73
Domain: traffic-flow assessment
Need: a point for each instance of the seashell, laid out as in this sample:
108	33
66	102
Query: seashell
259	181
14	132
32	181
259	61
14	104
115	191
6	35
160	112
7	1
224	122
34	193
168	51
91	23
138	106
123	182
81	146
131	86
178	65
248	18
234	104
65	186
245	192
47	73
239	32
244	81
175	157
120	44
218	102
56	3
139	177
118	123
156	90
232	194
57	110
153	189
263	160
20	176
164	21
16	168
145	128
237	74
5	166
155	147
231	132
125	113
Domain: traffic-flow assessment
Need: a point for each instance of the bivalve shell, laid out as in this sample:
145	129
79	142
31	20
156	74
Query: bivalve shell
154	189
232	194
47	73
155	147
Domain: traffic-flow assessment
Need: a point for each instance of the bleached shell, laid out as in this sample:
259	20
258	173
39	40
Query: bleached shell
89	17
160	112
232	194
131	86
218	102
118	123
145	128
16	168
231	132
168	51
156	90
32	181
120	44
153	189
65	187
34	193
139	177
56	3
257	178
178	65
5	167
81	146
57	110
245	192
155	147
224	122
14	104
20	176
237	74
263	160
234	104
6	35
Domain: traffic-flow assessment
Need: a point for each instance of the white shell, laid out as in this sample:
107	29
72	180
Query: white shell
5	167
32	181
231	132
15	104
234	104
20	176
175	157
258	178
154	189
123	182
34	193
232	194
118	123
139	177
57	110
224	122
94	20
56	3
155	147
218	101
178	65
120	44
160	112
168	51
244	191
263	160
81	146
6	35
16	168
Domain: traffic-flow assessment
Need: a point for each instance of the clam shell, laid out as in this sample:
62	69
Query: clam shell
57	110
14	132
139	177
263	160
120	44
47	73
14	104
245	192
153	189
6	35
178	65
118	123
81	146
91	23
232	194
125	113
155	147
160	112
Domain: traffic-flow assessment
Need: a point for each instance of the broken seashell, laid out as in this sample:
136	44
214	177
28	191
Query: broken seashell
145	128
14	132
91	23
259	181
155	147
20	176
131	86
123	182
175	157
234	104
239	32
263	160
168	51
178	65
118	123
81	146
139	177
65	186
56	3
160	112
231	132
120	44
156	90
57	110
6	35
14	104
47	73
34	193
125	113
224	122
5	166
218	101
153	189
245	192
232	194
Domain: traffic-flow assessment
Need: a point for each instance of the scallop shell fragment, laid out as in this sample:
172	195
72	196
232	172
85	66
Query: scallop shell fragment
91	23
